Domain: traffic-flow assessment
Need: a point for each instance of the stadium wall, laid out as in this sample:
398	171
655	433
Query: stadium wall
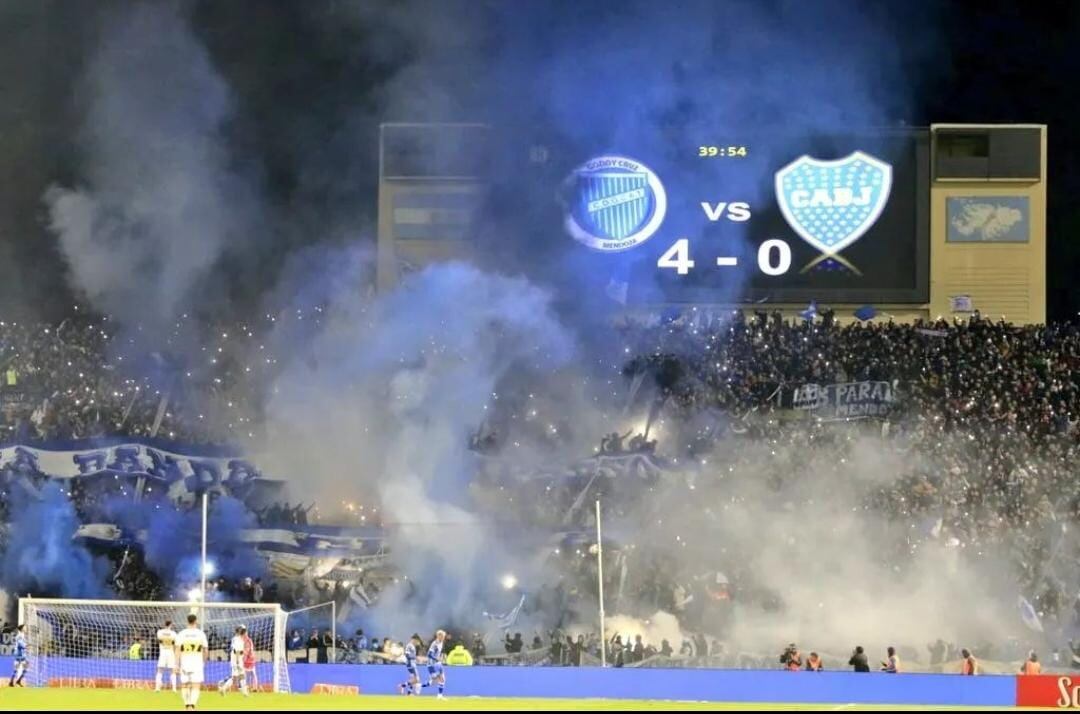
590	682
1005	279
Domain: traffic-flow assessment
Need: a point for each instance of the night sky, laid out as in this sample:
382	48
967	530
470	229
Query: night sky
311	81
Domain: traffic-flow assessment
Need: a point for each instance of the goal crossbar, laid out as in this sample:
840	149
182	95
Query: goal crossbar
151	603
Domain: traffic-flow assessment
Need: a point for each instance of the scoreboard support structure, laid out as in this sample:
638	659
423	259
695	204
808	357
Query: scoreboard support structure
988	221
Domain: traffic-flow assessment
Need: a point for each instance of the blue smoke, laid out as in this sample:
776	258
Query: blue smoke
40	557
172	540
637	79
620	73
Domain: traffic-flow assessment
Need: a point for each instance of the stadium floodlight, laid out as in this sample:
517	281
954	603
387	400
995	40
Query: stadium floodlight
84	643
209	569
509	581
195	595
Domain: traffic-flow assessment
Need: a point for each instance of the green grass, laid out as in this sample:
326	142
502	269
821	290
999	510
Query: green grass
128	700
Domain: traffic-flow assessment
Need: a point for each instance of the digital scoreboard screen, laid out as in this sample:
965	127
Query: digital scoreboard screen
776	219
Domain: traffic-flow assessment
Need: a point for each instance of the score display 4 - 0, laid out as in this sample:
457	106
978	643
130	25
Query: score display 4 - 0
773	257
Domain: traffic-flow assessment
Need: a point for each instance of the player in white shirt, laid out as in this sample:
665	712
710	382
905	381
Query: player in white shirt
436	674
236	663
192	650
166	638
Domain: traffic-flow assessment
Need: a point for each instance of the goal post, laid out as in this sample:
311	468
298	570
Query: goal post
89	643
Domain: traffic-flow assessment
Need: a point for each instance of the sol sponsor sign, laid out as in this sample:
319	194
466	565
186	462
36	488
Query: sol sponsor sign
1048	690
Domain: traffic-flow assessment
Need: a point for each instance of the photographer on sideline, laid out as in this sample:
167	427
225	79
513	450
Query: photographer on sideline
858	660
791	658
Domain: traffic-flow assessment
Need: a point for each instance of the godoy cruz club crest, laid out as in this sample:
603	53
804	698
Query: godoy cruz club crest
613	203
832	204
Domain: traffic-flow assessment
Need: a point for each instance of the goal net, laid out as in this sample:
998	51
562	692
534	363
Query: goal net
88	643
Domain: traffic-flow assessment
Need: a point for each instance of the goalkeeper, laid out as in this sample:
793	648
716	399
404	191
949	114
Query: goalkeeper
19	671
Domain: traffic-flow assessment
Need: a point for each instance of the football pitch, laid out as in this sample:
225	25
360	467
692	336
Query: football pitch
127	700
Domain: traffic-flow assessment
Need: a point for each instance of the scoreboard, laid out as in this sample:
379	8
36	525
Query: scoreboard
929	222
779	219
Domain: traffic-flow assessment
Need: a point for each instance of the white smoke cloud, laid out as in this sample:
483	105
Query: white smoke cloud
845	574
382	403
159	203
653	630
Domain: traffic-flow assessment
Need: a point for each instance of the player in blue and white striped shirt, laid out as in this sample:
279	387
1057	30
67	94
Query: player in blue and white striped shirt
20	658
436	675
412	684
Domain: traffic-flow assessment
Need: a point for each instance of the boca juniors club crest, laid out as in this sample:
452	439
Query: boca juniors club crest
613	203
832	204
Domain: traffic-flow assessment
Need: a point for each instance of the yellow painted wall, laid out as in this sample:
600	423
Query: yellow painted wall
1003	279
395	253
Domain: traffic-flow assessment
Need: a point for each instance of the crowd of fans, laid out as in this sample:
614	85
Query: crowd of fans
976	457
86	377
559	649
989	409
555	648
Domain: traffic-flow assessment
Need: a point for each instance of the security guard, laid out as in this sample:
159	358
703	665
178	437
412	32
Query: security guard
135	651
459	657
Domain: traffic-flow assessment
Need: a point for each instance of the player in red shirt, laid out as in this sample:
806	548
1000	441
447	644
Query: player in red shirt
249	663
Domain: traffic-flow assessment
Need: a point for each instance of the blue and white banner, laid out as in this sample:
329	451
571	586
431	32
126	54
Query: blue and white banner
303	555
322	541
1028	614
615	465
150	471
506	620
144	468
961	303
